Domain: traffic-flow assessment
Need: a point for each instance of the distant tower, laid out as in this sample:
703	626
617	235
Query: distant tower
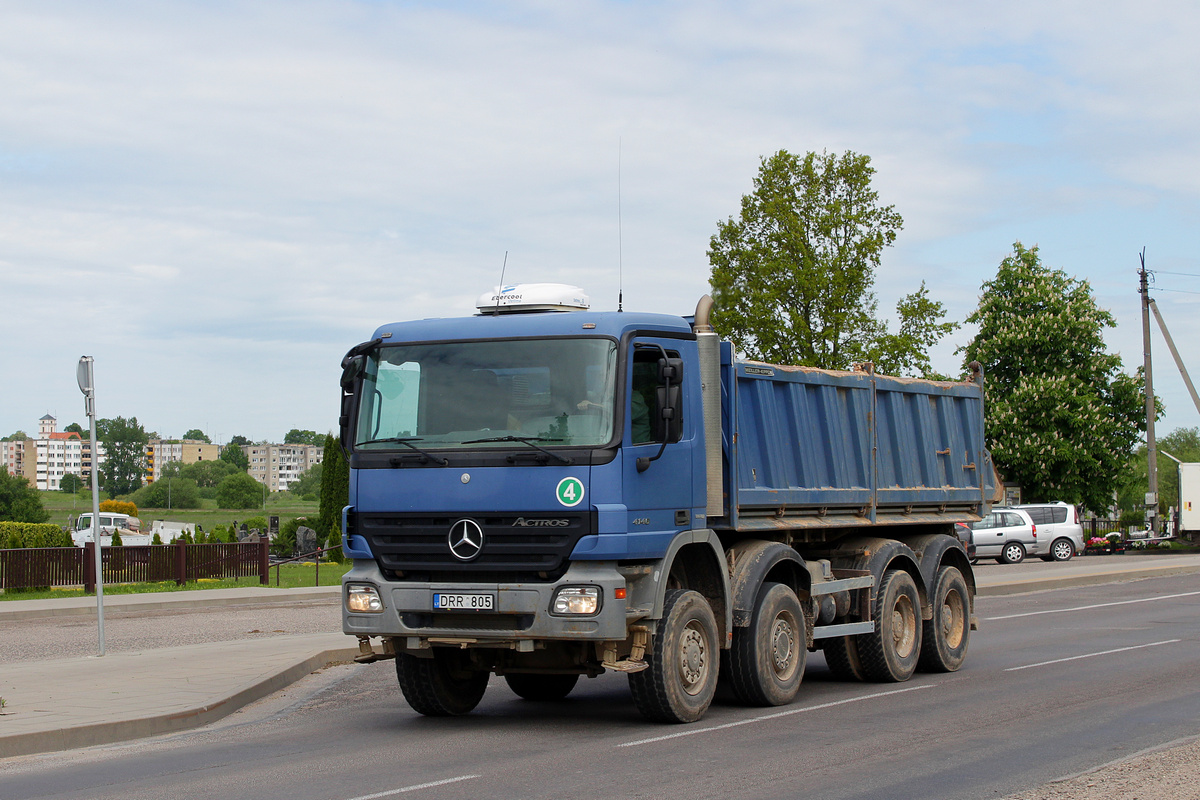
46	426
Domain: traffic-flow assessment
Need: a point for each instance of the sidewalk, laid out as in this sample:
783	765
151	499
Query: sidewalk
68	703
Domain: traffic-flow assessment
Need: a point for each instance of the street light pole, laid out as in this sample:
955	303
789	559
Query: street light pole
85	375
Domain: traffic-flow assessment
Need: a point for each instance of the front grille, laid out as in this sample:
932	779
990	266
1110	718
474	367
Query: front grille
468	622
516	548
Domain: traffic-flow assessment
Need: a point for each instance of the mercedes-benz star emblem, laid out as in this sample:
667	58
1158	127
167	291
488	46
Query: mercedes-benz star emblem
466	539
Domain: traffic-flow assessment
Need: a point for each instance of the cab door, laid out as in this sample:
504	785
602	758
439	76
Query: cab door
658	497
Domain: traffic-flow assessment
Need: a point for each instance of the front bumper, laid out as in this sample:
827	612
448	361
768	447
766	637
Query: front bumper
522	611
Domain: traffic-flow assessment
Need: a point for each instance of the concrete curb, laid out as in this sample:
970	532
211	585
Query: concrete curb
71	738
1039	584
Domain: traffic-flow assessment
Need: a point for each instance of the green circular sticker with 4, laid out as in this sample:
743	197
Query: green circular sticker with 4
569	491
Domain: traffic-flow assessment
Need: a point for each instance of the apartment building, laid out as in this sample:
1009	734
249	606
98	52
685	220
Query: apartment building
43	461
160	452
278	465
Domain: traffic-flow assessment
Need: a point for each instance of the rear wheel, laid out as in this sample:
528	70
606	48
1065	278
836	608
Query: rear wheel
944	638
841	654
766	663
679	683
541	687
1062	550
1013	553
890	653
442	686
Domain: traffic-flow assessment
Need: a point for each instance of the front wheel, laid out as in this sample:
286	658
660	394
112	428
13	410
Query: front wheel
766	663
890	653
541	687
681	679
1013	553
944	638
442	686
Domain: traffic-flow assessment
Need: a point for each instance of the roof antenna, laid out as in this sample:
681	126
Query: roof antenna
620	243
500	288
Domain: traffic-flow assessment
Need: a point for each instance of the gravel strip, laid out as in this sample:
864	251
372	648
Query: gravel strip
1171	774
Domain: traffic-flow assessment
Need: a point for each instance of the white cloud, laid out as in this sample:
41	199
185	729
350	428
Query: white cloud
240	193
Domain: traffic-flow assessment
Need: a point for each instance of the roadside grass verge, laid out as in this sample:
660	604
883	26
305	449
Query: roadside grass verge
291	576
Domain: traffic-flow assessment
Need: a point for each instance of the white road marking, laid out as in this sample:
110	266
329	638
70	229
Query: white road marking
1093	655
1097	605
418	786
767	717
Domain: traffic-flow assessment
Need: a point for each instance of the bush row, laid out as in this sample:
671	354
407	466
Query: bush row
16	535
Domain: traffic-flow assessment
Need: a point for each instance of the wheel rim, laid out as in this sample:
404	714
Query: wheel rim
783	646
904	626
953	615
693	658
1013	553
1063	550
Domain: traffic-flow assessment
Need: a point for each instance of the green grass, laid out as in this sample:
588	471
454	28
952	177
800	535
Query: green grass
62	506
291	576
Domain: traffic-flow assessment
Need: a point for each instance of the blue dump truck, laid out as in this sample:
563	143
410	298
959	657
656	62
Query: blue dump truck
544	492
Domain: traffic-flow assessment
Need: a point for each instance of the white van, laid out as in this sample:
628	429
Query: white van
109	522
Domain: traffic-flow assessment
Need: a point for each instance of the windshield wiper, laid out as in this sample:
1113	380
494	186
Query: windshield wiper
407	441
529	440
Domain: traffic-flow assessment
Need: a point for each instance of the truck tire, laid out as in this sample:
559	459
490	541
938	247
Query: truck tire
766	662
541	687
683	662
945	637
891	652
443	686
1013	553
841	654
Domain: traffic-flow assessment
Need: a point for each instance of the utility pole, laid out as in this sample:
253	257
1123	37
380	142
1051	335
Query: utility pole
1151	452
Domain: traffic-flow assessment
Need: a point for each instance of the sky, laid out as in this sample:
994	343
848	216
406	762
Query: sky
216	200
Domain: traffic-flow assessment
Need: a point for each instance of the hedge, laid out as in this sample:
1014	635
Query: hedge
16	535
119	507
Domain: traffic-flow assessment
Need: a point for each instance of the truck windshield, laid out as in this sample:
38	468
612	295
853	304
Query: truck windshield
495	394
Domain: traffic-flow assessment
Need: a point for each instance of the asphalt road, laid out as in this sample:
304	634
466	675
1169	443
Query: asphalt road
1056	683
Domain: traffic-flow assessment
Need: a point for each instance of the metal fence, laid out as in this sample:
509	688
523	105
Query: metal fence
43	567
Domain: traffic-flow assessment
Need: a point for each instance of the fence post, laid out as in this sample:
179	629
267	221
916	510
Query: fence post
180	562
264	563
89	567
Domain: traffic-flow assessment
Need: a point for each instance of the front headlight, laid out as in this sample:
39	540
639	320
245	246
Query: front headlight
577	600
363	599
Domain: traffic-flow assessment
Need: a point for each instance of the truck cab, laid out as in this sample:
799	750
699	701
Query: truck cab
546	492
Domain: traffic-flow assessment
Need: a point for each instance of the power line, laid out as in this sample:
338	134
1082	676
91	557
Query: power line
1168	272
1178	291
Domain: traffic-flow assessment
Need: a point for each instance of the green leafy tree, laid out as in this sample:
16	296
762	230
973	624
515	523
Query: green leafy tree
20	502
17	436
792	275
907	351
125	454
335	495
308	482
168	492
1184	444
240	441
239	491
297	436
235	455
197	435
206	474
71	483
1062	418
75	427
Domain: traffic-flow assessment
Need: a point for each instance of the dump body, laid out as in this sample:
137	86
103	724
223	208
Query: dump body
827	450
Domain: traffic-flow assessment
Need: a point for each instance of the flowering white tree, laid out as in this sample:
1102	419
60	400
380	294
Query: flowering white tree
1063	418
